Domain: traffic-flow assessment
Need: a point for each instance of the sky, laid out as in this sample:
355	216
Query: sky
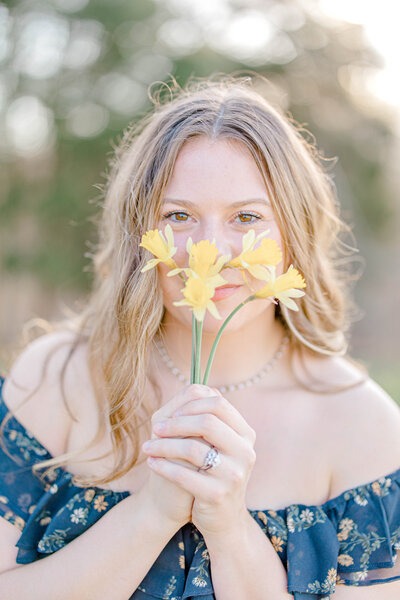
46	43
381	24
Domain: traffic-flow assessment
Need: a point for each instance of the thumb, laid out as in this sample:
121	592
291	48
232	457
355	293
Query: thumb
216	390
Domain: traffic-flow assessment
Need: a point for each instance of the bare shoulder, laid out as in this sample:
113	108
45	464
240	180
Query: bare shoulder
362	426
32	388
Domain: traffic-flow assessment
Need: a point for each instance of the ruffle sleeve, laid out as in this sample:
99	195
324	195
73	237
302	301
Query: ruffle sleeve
48	509
352	539
19	488
51	511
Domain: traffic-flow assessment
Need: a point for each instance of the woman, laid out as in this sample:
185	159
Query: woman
300	498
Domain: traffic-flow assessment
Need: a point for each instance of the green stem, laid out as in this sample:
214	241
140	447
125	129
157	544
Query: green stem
192	364
214	346
198	352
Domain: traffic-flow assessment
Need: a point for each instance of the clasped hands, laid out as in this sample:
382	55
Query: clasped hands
186	433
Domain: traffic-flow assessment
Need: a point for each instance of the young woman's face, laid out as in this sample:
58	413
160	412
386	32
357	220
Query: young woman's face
216	192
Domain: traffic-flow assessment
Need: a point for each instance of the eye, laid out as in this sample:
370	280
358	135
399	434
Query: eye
176	212
248	214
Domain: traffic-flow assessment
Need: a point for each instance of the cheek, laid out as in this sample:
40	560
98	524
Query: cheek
167	283
181	257
170	286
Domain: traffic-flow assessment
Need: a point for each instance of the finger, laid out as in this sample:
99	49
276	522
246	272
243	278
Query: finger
209	427
221	408
192	450
195	482
186	394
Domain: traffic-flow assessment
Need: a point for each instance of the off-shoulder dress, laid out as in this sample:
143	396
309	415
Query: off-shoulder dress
352	539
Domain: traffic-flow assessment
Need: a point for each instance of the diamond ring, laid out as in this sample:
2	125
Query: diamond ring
212	460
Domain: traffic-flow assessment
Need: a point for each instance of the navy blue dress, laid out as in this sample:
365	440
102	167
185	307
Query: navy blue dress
351	539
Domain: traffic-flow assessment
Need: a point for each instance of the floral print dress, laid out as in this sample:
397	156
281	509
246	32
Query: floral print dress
351	539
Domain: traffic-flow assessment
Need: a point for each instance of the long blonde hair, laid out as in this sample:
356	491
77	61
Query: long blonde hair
124	310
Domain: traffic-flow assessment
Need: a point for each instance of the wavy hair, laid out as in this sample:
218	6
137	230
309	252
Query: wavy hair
124	310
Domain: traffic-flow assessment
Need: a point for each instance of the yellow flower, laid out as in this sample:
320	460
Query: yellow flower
198	293
100	504
283	287
202	262
89	495
376	488
331	577
277	543
17	521
345	559
346	523
262	517
164	249
258	261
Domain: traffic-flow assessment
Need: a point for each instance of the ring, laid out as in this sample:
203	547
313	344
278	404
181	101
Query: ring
211	460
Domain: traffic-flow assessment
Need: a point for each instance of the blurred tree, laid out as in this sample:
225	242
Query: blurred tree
76	72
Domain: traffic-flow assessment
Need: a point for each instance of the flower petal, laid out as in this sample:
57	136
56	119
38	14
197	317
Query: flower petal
259	272
215	281
174	272
199	313
261	235
289	303
169	235
183	302
293	293
189	243
248	240
222	260
150	264
154	241
265	292
213	309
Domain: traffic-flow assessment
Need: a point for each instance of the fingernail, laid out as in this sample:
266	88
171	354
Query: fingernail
146	445
178	413
159	426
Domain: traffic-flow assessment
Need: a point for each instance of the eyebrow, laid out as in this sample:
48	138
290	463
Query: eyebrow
264	202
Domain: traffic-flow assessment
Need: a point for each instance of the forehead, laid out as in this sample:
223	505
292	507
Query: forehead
222	169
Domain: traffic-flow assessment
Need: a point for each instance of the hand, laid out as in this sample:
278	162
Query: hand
169	499
219	493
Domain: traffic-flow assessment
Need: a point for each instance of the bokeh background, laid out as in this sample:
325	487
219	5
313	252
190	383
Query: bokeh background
75	73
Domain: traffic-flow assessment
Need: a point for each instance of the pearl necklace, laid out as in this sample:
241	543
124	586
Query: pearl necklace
233	386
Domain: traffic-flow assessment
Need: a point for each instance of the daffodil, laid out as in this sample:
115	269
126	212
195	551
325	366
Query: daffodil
198	293
202	263
203	276
164	249
284	288
257	262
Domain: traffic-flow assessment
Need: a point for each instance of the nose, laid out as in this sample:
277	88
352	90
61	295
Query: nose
218	235
223	245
